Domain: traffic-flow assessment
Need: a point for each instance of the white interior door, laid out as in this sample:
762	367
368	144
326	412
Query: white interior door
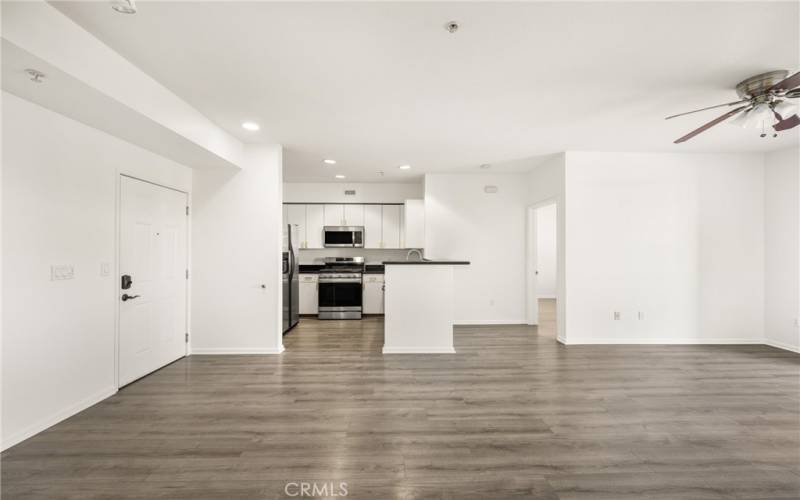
152	314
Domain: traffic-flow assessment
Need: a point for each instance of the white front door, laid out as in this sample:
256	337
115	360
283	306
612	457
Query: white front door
152	313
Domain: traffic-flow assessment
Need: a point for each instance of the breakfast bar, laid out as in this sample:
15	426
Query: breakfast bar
419	306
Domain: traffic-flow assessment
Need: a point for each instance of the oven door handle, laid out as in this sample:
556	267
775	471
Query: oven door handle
340	280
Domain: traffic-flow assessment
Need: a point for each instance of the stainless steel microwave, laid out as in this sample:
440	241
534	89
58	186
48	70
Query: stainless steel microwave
343	236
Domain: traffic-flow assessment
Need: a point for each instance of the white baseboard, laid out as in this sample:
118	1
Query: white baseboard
418	350
663	342
49	421
781	345
482	322
237	350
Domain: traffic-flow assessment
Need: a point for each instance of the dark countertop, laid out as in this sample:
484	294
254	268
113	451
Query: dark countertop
310	268
315	268
373	269
426	262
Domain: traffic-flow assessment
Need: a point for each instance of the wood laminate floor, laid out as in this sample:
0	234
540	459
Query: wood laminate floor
512	415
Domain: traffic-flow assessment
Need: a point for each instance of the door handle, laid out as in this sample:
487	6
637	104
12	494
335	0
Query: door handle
126	297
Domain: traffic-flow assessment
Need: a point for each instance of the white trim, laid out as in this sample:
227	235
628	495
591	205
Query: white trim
482	322
546	296
781	345
668	341
237	350
419	350
44	423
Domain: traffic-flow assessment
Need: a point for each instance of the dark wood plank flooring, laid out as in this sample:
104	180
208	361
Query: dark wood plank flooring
512	415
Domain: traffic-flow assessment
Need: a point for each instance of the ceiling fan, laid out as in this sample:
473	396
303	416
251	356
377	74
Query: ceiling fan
767	100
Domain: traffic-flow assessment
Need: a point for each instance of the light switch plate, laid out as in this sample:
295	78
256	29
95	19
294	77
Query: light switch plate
105	268
62	272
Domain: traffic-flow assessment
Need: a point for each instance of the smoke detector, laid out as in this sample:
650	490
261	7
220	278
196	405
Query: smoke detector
36	75
124	6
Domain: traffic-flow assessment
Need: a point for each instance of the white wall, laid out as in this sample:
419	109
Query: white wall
464	223
366	192
236	248
59	195
782	258
546	232
678	237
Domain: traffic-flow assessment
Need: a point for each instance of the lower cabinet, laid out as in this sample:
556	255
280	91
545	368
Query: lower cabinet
372	301
308	293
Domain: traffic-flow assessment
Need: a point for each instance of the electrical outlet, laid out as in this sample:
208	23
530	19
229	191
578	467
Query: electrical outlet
796	322
491	302
62	272
617	315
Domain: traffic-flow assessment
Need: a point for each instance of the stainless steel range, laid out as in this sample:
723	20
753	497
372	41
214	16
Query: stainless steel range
340	288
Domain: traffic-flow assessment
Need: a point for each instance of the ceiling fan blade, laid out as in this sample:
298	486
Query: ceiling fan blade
710	124
787	123
706	109
787	83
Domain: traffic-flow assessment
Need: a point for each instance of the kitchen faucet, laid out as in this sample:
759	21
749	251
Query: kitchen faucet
418	252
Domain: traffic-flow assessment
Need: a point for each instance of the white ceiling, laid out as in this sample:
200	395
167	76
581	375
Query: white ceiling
377	85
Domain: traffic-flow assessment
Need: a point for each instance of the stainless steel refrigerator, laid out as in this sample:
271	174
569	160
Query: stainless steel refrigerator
291	279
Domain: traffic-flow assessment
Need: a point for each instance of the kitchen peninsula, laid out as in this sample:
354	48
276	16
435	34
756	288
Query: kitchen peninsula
419	306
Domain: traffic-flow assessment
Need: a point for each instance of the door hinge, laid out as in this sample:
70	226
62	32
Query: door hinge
187	274
187	337
187	210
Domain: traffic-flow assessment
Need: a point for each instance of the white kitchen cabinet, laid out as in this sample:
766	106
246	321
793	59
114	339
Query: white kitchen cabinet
309	292
315	220
372	300
373	226
391	226
414	224
334	215
296	215
354	215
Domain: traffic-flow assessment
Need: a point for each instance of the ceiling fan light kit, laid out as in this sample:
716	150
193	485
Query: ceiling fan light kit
768	101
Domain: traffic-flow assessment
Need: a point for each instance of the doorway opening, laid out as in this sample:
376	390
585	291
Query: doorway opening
543	268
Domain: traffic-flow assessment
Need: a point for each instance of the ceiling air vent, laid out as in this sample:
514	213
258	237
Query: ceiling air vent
349	192
490	189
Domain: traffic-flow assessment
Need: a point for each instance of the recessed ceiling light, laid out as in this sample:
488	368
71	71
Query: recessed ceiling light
339	176
404	167
252	126
451	27
124	6
329	162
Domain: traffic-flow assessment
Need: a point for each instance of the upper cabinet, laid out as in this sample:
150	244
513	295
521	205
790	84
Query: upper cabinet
353	215
373	226
385	226
334	215
392	223
296	215
315	220
414	224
